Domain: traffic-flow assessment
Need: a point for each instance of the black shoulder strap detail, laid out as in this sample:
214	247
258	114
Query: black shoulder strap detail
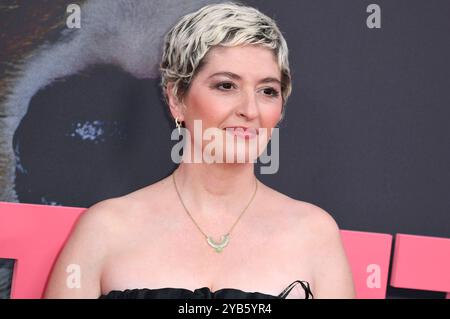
288	289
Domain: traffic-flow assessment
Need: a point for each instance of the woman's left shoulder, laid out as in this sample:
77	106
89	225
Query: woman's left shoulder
317	218
313	233
320	234
301	214
309	217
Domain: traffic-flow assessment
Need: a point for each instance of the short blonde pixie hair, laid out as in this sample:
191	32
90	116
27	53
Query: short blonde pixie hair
225	24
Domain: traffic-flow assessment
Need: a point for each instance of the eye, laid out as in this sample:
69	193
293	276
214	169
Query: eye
271	92
225	86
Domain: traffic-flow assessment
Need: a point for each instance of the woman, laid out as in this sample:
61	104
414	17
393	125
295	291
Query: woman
211	229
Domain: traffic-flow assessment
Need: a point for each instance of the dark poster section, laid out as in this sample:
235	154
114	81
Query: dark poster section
105	125
6	276
365	134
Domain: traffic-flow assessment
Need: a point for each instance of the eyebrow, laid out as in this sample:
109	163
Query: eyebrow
238	77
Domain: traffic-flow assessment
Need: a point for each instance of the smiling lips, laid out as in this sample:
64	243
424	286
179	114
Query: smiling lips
242	131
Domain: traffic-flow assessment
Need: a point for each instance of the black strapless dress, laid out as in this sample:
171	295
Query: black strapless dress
202	293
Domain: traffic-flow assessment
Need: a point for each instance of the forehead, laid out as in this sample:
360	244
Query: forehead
250	60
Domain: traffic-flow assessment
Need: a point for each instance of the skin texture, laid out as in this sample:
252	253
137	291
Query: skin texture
145	239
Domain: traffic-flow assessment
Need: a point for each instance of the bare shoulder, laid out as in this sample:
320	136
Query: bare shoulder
317	235
99	225
77	270
318	220
309	223
120	213
302	214
104	217
332	273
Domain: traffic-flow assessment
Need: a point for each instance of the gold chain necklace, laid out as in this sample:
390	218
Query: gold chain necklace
218	246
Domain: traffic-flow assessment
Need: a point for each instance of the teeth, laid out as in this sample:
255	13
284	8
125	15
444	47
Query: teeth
237	128
241	130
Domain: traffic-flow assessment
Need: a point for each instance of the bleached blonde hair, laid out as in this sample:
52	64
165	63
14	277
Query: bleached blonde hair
225	24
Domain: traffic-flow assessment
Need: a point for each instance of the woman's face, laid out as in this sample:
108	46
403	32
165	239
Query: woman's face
236	87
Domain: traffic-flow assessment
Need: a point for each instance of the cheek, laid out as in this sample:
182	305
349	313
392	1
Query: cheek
211	109
270	115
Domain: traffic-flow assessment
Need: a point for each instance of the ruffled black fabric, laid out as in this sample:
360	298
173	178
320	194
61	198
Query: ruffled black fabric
201	293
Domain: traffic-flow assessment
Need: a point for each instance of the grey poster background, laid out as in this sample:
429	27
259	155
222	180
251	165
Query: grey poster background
365	136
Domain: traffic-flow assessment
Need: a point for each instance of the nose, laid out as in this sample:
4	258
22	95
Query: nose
248	106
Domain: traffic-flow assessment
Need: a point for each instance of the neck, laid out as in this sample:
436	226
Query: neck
215	189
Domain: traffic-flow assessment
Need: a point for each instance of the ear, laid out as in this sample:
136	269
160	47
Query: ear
176	107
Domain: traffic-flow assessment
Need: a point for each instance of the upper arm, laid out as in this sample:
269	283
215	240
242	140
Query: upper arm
332	274
77	271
